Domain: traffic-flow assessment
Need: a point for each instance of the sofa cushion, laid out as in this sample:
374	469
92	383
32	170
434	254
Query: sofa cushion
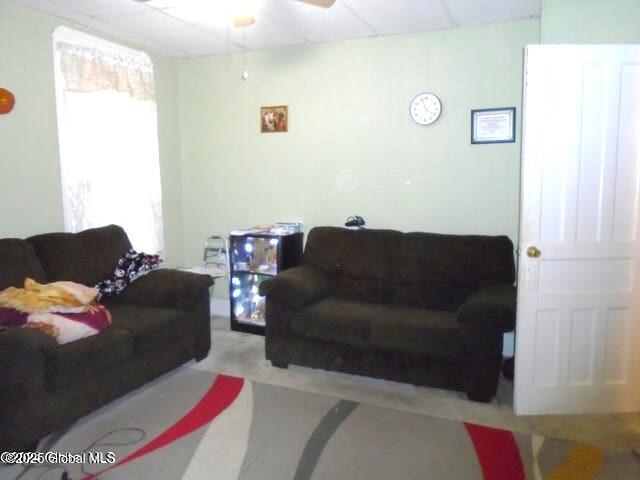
360	261
391	327
431	293
441	271
86	257
151	327
423	270
77	361
17	261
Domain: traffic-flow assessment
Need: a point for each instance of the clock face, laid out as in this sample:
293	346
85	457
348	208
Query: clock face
425	108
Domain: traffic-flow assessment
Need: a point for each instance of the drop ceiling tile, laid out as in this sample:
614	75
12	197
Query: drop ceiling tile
50	7
166	3
110	32
158	26
138	41
264	34
211	19
472	12
402	16
279	23
316	24
102	7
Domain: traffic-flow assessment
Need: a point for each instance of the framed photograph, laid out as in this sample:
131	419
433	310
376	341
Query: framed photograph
493	125
274	119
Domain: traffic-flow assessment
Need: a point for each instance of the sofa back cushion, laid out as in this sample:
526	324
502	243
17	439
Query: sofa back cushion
441	271
18	260
360	261
424	270
85	257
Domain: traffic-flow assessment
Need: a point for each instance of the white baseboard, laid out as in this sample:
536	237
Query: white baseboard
220	307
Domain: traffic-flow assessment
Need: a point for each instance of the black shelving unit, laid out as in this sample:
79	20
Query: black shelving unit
255	257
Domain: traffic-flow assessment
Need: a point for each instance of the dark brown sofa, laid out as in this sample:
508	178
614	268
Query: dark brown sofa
422	308
160	322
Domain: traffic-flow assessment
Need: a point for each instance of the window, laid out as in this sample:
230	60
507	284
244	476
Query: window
108	137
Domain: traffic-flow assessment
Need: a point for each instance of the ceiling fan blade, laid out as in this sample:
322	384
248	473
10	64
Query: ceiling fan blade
319	3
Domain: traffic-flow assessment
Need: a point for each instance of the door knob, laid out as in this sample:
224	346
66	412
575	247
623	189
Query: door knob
533	252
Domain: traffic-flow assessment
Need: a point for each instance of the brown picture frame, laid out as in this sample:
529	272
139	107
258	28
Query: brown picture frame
274	119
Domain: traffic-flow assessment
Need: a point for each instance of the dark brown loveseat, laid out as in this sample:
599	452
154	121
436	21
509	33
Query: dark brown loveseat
422	308
160	322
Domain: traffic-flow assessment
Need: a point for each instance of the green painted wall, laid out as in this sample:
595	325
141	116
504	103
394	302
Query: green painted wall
590	21
351	147
30	191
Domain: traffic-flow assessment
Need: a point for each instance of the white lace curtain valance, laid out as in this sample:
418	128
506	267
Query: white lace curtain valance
88	69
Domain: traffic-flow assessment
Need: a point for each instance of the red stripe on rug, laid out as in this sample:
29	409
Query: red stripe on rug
497	452
221	394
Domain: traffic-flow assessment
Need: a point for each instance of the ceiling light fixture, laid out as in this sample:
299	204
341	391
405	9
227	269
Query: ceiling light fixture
237	13
243	20
243	12
319	3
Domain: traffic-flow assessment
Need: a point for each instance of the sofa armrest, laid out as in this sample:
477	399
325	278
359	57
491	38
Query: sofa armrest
298	286
165	288
17	342
23	354
496	305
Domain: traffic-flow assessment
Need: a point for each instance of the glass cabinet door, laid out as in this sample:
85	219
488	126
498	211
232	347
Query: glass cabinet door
255	255
247	304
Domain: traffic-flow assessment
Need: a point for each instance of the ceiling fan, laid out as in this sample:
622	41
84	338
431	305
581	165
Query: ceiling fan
319	3
243	14
246	19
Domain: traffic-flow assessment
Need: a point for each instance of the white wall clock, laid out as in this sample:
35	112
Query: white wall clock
425	108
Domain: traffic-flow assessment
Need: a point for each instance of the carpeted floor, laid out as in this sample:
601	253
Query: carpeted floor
242	355
194	424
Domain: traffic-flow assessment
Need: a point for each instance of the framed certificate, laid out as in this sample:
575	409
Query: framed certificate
493	125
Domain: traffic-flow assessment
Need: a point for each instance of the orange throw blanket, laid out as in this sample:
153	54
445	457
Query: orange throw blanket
65	310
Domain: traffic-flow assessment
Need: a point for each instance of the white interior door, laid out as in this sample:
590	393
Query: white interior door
577	336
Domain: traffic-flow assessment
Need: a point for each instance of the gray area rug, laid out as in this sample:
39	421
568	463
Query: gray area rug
192	424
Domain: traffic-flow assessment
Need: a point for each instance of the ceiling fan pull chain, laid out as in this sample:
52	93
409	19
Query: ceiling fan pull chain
245	73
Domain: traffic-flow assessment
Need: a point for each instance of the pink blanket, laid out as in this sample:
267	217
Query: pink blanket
64	327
